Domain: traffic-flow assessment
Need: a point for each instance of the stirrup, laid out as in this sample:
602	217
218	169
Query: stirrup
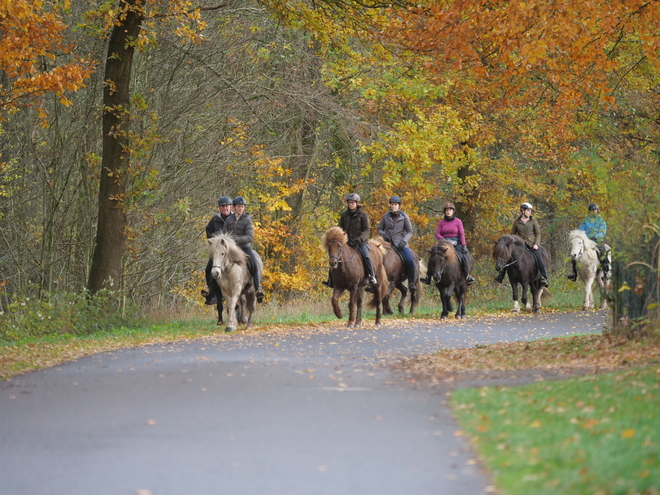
572	277
544	282
469	280
425	280
260	295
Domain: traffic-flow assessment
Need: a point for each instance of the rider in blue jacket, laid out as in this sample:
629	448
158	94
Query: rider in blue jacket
595	227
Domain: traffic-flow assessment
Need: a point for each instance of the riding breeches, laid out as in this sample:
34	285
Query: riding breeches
363	249
539	261
255	271
409	265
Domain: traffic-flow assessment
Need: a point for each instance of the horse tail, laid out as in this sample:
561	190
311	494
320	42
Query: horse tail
383	286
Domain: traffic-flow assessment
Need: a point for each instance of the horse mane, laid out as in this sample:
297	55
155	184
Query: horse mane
234	253
581	234
441	248
333	234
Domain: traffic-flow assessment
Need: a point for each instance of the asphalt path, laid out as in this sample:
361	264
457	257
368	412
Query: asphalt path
317	410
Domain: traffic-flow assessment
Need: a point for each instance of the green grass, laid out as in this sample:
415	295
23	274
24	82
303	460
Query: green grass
596	435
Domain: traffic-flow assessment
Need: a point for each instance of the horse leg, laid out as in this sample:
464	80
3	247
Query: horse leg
445	297
588	293
602	290
537	291
523	299
352	303
249	304
336	294
232	322
219	308
404	292
358	306
387	309
414	298
460	297
514	289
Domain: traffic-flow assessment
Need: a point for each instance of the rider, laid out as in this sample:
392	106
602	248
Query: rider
355	222
595	227
215	226
396	228
450	227
240	225
526	227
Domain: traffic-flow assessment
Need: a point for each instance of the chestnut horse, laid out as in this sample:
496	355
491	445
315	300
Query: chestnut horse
347	274
396	273
445	269
510	252
231	271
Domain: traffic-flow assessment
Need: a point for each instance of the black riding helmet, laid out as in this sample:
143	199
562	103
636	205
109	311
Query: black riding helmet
593	206
224	201
395	199
353	197
239	200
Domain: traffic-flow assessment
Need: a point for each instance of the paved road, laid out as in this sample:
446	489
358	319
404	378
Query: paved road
315	411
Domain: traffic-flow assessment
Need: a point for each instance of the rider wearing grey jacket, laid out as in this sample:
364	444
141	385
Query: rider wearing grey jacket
396	228
240	225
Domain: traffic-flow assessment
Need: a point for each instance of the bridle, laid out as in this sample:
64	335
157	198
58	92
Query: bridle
337	257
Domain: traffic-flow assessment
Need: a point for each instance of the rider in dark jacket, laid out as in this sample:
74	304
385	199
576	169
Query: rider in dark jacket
240	225
355	222
215	226
526	227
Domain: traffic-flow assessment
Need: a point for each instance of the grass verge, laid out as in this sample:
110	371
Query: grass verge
595	435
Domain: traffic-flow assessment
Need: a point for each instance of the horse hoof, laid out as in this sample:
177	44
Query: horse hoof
229	330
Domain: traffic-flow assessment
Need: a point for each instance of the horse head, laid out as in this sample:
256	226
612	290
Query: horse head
503	251
440	256
334	240
224	251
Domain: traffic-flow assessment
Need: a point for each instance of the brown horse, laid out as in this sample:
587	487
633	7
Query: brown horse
445	268
348	274
231	272
396	273
511	253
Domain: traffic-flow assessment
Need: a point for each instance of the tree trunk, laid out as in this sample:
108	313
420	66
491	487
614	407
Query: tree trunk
105	271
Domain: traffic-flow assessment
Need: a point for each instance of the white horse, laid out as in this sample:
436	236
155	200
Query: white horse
232	273
585	254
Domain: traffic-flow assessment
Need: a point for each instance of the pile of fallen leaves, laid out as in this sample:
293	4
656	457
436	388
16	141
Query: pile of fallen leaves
596	352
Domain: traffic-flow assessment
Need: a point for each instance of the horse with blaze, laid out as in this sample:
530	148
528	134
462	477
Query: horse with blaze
510	252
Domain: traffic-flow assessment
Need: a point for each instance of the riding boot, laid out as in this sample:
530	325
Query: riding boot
426	280
500	276
371	278
329	283
573	276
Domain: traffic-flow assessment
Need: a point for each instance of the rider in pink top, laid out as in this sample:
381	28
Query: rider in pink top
451	228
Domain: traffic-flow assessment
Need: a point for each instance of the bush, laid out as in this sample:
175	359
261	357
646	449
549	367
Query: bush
63	313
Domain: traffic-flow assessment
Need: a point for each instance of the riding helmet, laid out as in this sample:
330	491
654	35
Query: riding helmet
593	206
526	206
353	197
224	201
395	199
449	205
239	200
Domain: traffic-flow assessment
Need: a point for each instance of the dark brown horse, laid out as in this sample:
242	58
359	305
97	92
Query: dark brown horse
511	253
396	273
348	274
445	268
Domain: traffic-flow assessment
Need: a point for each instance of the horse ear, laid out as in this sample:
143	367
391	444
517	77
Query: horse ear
209	242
